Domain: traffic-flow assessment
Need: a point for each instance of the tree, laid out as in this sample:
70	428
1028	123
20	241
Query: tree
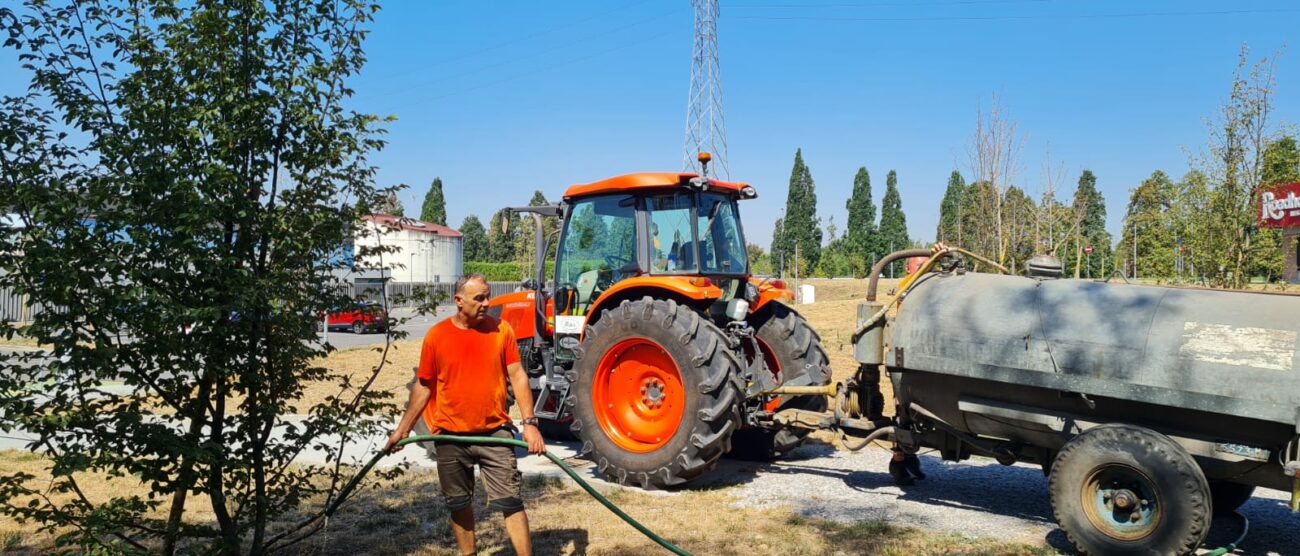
215	168
862	243
893	223
501	245
389	203
801	229
994	154
434	209
1235	165
759	262
1149	219
1020	218
474	240
1087	228
950	211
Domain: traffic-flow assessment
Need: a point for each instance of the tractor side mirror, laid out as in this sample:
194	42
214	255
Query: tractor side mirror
505	221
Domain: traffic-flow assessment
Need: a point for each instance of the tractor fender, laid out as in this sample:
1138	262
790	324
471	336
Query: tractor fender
769	291
678	288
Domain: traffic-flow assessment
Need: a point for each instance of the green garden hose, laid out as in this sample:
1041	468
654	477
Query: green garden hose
352	484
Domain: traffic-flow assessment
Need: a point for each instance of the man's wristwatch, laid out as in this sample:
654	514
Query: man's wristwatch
530	421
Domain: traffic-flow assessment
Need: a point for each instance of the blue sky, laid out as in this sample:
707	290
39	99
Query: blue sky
503	98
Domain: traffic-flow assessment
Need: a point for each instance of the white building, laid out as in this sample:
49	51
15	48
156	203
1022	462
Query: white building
425	252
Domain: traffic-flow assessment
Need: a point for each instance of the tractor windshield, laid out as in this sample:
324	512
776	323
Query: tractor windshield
598	247
695	239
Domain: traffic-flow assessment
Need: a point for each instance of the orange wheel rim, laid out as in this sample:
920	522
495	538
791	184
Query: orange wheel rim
638	395
773	365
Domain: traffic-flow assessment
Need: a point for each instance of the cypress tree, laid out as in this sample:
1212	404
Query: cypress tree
861	240
893	223
434	209
801	228
1090	210
950	210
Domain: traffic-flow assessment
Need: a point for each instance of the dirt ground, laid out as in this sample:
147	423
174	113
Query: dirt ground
404	516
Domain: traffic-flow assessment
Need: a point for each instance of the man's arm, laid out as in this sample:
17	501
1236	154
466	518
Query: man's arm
524	396
420	393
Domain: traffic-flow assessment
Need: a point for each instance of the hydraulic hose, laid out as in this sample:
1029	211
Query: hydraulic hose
352	484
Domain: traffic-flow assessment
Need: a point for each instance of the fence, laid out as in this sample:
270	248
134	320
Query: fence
407	294
14	307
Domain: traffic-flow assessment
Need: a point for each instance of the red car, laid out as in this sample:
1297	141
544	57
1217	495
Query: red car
363	317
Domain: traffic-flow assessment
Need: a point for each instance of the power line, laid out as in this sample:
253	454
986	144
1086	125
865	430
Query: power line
1022	17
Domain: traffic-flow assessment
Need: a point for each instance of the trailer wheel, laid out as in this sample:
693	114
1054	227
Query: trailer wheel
1229	496
793	351
1121	489
657	394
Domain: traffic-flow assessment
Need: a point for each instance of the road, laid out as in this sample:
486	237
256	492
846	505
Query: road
415	327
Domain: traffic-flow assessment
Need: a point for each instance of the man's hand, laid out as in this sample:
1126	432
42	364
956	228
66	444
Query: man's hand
397	436
533	437
937	248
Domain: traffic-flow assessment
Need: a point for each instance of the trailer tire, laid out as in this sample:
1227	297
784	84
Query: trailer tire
669	417
794	347
1106	471
1228	496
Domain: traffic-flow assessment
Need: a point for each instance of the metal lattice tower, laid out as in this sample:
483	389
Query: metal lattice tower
706	129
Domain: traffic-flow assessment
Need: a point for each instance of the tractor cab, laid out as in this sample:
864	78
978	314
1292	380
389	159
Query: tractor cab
648	225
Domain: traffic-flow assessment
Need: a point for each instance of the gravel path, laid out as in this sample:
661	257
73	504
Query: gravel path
977	498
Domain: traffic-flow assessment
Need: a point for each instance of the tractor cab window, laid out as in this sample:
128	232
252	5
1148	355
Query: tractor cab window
672	247
722	247
598	249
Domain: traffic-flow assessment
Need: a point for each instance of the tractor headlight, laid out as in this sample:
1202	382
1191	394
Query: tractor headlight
751	292
737	309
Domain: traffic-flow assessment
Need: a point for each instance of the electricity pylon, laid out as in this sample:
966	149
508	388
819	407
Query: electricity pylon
706	129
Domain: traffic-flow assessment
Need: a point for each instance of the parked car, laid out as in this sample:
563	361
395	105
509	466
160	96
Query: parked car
363	317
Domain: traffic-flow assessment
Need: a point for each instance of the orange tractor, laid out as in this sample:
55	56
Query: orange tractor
652	342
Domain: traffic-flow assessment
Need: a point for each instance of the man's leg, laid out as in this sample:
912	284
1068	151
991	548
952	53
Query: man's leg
456	477
517	528
505	487
462	527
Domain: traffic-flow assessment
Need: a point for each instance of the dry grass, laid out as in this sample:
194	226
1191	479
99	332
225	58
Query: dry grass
405	516
19	340
358	364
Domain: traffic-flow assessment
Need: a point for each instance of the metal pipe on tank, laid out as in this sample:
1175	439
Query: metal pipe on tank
880	267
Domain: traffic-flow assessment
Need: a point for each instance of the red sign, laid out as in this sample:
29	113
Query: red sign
1087	249
1280	207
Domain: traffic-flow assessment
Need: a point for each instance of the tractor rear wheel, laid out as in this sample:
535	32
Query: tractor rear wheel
657	393
793	352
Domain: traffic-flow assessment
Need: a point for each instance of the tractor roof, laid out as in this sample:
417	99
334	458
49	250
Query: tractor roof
630	183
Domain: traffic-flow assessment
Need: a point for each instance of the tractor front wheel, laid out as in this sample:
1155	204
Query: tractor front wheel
657	393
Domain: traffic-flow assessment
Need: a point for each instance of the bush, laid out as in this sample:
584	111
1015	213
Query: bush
505	272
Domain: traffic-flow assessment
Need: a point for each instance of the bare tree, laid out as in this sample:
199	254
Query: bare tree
994	154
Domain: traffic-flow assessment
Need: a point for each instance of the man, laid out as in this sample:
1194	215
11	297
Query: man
461	387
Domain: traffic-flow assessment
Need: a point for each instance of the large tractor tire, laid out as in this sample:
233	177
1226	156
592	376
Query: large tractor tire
656	395
793	351
1121	489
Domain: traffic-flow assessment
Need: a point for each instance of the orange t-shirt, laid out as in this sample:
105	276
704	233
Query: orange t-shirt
466	370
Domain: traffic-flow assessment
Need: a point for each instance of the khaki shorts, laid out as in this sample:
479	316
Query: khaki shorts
497	464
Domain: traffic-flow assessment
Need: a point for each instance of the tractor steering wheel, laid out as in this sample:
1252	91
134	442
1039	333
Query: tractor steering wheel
616	263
